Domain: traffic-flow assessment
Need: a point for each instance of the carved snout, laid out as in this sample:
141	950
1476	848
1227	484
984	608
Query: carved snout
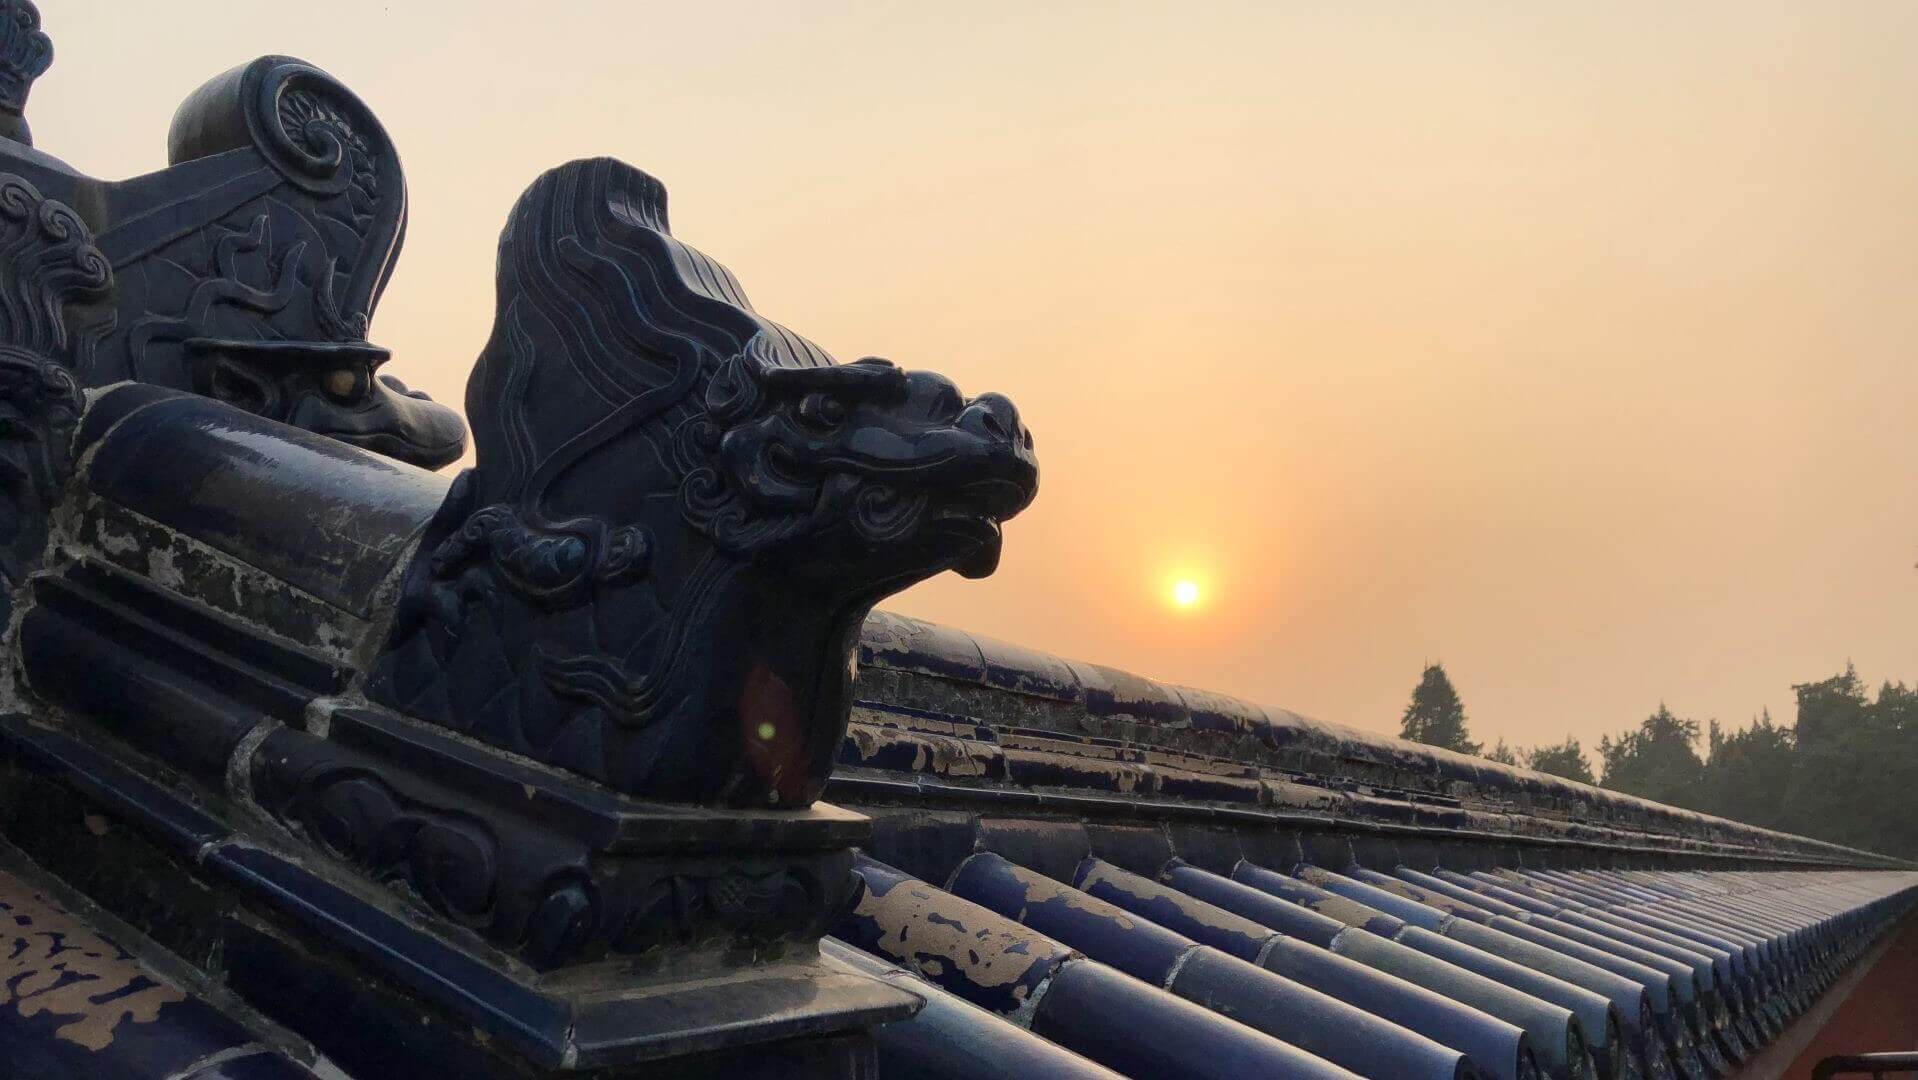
1014	481
387	419
330	388
994	416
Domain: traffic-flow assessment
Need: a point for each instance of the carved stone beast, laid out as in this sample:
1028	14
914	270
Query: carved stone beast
681	514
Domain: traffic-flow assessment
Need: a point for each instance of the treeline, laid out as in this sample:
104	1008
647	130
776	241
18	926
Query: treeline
1846	771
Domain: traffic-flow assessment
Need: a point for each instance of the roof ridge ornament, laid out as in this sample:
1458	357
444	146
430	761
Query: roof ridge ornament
682	513
539	747
25	54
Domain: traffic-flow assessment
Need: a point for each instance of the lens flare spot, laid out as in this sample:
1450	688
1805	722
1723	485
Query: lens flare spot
766	732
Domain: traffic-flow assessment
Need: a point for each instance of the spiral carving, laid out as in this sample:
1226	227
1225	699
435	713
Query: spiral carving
48	261
315	132
51	261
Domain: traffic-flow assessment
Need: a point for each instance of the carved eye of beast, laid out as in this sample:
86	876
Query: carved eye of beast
331	388
826	394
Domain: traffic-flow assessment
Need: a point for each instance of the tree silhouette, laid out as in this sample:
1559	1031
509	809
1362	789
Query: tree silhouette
1567	759
1435	716
1854	776
1658	761
1749	772
1846	772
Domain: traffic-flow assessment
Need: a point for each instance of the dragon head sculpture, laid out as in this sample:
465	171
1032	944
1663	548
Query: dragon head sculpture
890	470
681	514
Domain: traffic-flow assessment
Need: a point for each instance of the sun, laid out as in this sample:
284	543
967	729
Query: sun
1186	594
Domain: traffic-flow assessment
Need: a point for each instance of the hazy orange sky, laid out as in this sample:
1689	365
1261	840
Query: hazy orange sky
1569	345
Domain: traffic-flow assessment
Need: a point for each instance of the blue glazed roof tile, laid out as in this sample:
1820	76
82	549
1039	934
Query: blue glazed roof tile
1027	671
1454	981
1183	848
905	644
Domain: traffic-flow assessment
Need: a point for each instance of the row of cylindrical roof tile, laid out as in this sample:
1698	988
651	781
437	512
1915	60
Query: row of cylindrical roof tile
1399	973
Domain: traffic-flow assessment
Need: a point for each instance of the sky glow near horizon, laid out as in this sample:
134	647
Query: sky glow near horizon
1570	345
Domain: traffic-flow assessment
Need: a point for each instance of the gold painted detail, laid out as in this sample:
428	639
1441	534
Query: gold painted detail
51	962
926	930
1041	889
1200	912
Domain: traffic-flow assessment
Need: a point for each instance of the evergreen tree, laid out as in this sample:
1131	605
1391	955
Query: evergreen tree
1748	772
1850	778
1567	759
1846	772
1436	716
1893	826
1830	710
1659	761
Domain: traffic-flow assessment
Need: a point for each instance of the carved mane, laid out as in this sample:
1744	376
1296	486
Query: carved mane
627	319
48	260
